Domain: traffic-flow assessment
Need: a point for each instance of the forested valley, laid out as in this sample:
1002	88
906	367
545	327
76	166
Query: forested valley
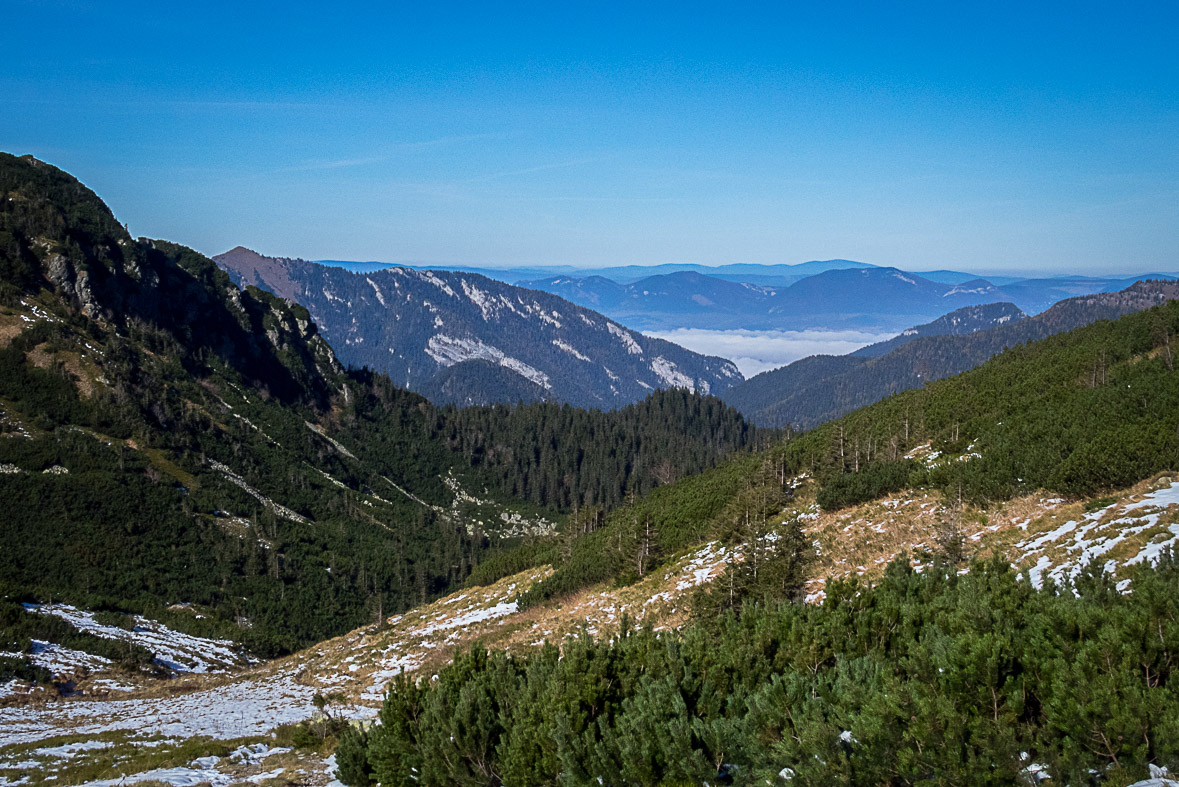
172	439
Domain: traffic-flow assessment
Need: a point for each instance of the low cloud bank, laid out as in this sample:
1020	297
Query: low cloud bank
758	351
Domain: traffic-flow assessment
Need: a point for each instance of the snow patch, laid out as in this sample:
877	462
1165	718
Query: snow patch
237	480
487	305
175	650
448	350
627	339
670	374
437	282
59	660
377	290
570	349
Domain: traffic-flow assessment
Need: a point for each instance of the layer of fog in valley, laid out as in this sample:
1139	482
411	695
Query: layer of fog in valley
758	351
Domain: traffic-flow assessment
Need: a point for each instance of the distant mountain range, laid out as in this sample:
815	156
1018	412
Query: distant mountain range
862	298
820	388
774	275
825	295
881	299
464	338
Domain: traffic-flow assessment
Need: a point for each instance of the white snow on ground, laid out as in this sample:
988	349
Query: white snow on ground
234	478
234	710
670	374
536	310
319	430
177	651
437	282
70	749
527	372
702	565
256	753
448	350
472	616
258	704
201	771
1031	546
392	660
330	764
111	685
392	668
1160	498
507	303
959	290
377	290
1098	533
626	338
488	305
61	661
569	348
1154	550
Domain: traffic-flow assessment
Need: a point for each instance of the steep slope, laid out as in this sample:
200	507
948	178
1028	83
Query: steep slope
169	438
417	325
814	390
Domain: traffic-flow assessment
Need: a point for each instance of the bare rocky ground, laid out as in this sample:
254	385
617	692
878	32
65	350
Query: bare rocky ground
216	722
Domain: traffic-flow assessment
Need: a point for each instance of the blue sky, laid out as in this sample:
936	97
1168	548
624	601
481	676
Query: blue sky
1016	137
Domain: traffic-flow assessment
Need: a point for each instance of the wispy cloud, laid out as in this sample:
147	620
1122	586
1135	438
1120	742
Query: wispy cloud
539	168
311	166
447	140
391	150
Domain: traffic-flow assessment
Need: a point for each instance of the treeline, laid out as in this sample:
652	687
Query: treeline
567	458
931	678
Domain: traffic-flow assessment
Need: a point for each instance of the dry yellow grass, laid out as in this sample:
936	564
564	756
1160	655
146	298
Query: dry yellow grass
11	326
